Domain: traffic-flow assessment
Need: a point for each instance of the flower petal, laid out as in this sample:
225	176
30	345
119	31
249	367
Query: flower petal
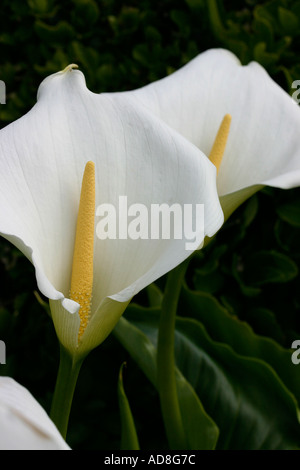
24	423
136	155
263	147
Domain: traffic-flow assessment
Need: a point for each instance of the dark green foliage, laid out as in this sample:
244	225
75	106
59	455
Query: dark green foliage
242	292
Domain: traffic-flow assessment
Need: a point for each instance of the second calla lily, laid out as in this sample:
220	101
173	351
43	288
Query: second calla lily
124	150
263	146
24	423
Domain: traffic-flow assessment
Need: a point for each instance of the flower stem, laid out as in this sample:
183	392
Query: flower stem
64	390
166	372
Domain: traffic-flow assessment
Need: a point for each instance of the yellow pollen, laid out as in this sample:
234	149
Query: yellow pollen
82	269
219	145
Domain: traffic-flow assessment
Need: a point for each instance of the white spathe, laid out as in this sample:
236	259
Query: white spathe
137	155
263	146
24	423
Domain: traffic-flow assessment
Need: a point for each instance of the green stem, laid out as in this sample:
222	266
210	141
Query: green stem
64	390
166	368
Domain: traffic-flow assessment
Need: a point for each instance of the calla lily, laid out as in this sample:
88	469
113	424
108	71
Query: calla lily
24	423
127	150
263	146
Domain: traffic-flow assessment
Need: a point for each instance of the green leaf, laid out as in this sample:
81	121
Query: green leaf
85	13
141	54
208	277
201	431
264	57
196	5
265	323
40	6
263	30
295	8
288	20
252	407
269	267
87	56
228	329
61	32
290	213
267	13
287	236
237	271
129	438
181	20
245	397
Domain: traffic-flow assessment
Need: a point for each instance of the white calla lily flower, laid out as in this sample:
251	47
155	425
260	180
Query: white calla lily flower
263	146
24	423
132	153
